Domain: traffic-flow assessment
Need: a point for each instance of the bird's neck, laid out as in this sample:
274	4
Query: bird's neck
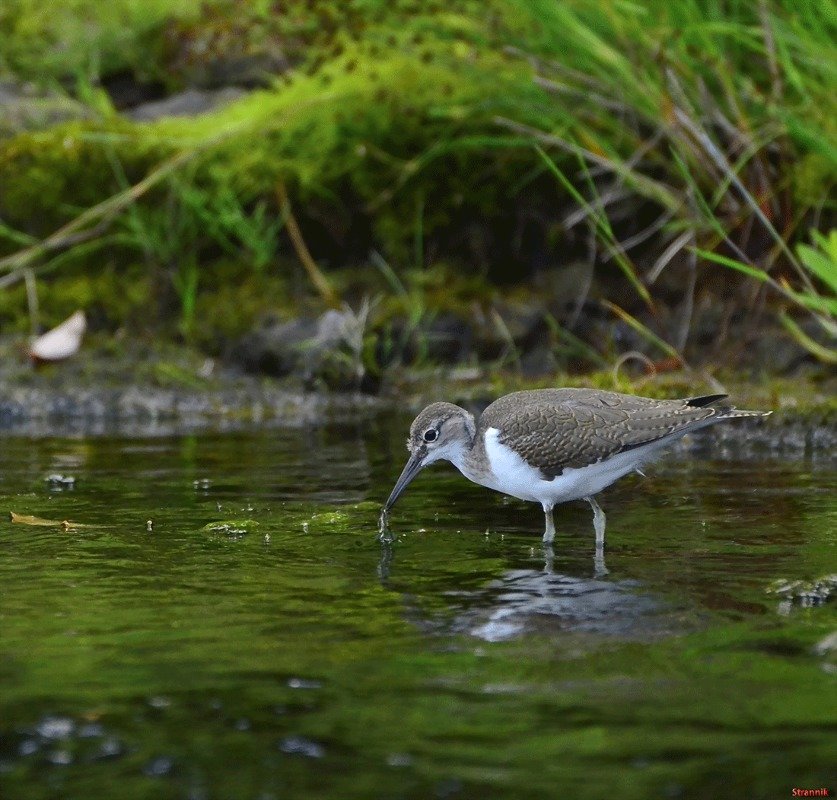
466	459
458	455
459	451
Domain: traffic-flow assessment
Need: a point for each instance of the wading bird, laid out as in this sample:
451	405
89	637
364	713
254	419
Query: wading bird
550	446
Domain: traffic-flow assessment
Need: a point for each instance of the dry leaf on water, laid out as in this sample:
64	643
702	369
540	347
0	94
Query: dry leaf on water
28	519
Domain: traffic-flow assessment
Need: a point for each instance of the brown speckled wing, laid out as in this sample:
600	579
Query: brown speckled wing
557	428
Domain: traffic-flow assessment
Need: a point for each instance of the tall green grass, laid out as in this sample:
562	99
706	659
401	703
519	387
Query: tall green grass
719	115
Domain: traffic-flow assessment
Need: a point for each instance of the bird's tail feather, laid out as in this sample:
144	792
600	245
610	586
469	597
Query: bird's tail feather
723	410
730	413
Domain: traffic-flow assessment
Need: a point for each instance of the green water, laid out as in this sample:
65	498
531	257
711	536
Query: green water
302	660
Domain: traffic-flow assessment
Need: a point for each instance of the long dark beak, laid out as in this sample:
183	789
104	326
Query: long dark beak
411	469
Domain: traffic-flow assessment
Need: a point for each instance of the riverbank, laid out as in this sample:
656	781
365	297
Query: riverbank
146	390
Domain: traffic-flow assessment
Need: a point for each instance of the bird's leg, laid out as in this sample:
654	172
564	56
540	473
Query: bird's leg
599	526
598	520
549	533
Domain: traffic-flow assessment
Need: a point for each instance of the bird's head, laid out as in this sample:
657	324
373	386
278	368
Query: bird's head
442	431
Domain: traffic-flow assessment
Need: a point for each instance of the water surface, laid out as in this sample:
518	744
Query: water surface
302	659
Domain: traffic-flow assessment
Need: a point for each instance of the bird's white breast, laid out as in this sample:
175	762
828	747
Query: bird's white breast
511	474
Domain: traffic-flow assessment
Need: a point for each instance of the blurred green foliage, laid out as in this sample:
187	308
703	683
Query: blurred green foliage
409	128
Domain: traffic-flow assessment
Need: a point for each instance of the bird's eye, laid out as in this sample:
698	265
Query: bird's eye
430	435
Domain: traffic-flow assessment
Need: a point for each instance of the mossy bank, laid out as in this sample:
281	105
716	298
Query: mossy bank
655	179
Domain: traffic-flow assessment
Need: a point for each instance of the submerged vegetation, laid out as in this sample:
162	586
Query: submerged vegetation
594	179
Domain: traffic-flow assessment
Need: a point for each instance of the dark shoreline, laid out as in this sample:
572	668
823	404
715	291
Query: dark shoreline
248	403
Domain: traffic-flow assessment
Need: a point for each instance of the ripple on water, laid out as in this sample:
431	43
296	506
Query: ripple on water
55	727
303	683
60	741
159	767
299	745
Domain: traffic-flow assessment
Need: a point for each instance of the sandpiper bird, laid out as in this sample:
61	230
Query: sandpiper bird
550	446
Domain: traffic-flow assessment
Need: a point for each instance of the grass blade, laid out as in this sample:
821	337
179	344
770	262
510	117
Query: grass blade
645	332
602	225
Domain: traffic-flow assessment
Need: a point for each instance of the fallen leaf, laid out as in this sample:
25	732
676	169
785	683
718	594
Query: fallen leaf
28	519
62	341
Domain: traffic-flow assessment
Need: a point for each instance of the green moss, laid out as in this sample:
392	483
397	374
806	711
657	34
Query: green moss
50	41
112	297
374	137
48	177
233	301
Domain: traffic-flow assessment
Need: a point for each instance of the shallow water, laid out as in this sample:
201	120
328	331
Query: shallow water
298	658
